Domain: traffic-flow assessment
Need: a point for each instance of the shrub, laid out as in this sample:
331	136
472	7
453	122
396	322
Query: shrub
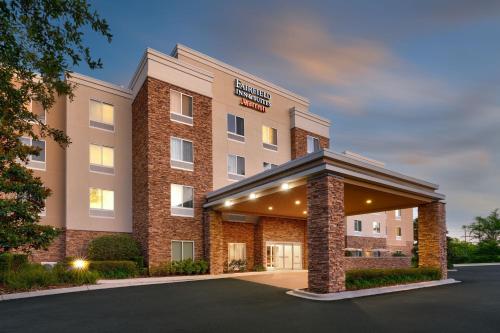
74	277
237	266
370	278
184	267
12	262
114	247
259	268
29	277
398	254
115	269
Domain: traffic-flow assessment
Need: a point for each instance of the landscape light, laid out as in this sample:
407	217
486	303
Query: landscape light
80	264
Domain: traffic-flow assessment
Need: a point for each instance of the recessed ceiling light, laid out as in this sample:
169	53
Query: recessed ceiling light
270	207
285	186
252	196
297	202
369	201
228	203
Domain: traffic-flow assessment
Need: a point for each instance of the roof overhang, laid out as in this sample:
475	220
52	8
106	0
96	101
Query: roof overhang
362	180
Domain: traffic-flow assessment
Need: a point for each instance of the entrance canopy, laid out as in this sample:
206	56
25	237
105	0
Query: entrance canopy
282	191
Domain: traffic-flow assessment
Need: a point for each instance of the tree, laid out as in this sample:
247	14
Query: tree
39	41
486	228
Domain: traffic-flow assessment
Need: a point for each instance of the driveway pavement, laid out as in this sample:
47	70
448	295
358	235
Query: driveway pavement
243	306
287	280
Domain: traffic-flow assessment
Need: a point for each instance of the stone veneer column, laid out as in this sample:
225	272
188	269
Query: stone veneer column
214	251
432	236
259	243
325	233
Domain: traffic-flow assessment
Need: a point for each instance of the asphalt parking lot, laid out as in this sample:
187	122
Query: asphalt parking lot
244	306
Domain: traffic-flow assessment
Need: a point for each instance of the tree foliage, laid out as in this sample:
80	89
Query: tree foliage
40	40
486	228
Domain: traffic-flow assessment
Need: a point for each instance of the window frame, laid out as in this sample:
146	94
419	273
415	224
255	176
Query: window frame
181	211
377	230
235	136
101	168
399	231
237	175
314	139
101	212
266	145
181	164
182	119
182	249
397	214
229	244
360	226
44	121
112	129
33	164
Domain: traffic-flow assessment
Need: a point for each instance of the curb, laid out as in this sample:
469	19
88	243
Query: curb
110	284
478	264
368	292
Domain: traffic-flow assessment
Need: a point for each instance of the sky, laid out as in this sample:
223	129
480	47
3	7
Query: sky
415	84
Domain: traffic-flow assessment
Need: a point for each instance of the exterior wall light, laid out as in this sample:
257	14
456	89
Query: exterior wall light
285	186
369	201
297	202
304	212
80	264
270	207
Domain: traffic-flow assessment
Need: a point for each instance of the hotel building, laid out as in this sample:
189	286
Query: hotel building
199	159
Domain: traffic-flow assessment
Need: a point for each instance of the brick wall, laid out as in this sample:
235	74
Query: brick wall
259	244
234	232
365	243
152	129
326	233
77	241
370	263
432	236
299	142
55	252
406	249
283	230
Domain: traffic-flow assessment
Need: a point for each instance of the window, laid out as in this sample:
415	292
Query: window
181	200
181	153
353	253
397	213
376	227
312	144
270	138
268	166
39	111
36	161
102	115
235	128
235	167
357	225
398	233
182	250
376	254
101	158
236	251
101	202
181	107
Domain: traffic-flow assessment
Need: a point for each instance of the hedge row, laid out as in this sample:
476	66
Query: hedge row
371	278
184	267
115	269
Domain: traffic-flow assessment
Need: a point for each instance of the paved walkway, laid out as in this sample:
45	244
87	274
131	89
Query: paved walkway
282	279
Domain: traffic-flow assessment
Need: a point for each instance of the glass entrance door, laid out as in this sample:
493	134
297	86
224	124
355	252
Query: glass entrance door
283	255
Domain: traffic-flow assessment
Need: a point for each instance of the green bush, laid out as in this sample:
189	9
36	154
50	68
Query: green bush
370	278
29	277
184	267
237	266
398	254
69	276
115	269
259	268
12	262
114	247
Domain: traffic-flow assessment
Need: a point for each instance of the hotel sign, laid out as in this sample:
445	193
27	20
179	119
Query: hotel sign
251	97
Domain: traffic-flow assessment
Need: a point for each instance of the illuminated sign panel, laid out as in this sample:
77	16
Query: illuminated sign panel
251	97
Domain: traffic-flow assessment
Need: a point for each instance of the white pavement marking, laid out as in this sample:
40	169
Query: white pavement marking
368	292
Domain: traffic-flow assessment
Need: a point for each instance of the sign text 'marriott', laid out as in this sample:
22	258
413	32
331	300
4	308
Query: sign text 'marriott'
252	97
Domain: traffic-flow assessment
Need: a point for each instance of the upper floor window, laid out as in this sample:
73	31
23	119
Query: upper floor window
235	128
270	138
102	115
398	233
269	166
37	162
181	154
101	158
235	167
181	107
101	202
357	225
397	213
376	227
181	200
312	144
39	111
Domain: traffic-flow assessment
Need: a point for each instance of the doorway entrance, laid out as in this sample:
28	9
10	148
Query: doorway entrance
283	255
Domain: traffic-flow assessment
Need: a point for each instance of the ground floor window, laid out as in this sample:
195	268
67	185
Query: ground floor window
236	251
353	253
182	250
